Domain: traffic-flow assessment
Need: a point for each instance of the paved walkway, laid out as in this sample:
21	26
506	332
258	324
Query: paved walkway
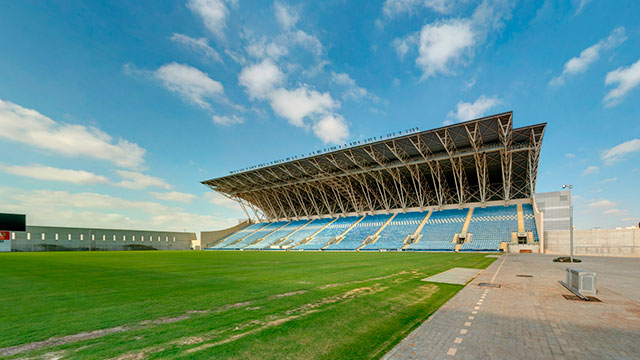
528	318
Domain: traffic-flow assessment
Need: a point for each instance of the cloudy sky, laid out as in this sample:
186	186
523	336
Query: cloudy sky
111	115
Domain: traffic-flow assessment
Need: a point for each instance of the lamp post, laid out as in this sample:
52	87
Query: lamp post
570	220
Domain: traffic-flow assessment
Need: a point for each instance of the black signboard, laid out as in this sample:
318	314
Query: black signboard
13	222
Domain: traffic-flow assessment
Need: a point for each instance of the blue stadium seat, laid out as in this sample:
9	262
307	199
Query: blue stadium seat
354	238
305	232
393	235
255	236
490	226
328	233
231	238
277	235
438	232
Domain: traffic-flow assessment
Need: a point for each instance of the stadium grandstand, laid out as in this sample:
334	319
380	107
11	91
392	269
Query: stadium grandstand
463	187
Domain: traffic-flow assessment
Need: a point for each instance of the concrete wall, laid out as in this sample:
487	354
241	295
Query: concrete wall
606	242
210	238
49	238
517	248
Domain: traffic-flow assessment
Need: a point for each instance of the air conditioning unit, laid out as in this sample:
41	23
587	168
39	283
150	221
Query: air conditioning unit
582	281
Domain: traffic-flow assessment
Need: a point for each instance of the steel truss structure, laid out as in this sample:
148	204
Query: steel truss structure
475	161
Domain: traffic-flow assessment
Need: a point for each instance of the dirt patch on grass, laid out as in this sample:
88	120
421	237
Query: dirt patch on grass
333	299
165	320
235	337
191	340
89	335
290	315
232	306
291	293
55	355
326	286
61	340
425	292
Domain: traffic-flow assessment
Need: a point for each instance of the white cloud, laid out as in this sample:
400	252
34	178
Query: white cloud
468	111
200	45
402	45
469	84
220	200
447	43
613	211
619	151
625	78
309	42
236	56
47	198
608	180
570	155
580	63
137	180
227	120
629	219
602	204
190	83
34	129
352	90
392	8
301	106
286	16
262	49
174	196
442	45
580	4
213	13
591	170
179	221
131	179
331	129
48	173
61	208
261	79
295	105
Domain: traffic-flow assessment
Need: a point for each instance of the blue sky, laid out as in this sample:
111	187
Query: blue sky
111	114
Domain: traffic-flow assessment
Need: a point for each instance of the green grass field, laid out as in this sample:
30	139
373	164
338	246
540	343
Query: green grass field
203	305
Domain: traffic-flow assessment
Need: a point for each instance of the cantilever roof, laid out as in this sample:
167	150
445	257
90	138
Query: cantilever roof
478	160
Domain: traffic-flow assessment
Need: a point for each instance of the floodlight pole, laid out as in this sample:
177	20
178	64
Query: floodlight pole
570	220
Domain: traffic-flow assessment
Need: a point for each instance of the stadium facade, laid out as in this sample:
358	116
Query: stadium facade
467	186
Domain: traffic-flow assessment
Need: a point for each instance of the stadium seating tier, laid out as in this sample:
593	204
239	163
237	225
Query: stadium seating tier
488	228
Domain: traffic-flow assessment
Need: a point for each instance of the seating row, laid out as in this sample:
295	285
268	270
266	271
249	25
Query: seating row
412	231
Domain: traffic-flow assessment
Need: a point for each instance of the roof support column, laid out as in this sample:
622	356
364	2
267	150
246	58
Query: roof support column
401	155
535	146
475	138
459	175
506	156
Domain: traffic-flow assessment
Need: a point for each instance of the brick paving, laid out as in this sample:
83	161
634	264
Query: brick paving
528	318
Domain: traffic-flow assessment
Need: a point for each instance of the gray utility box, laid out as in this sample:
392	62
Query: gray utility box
582	281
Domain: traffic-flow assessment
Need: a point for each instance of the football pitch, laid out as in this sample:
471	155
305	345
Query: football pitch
249	305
